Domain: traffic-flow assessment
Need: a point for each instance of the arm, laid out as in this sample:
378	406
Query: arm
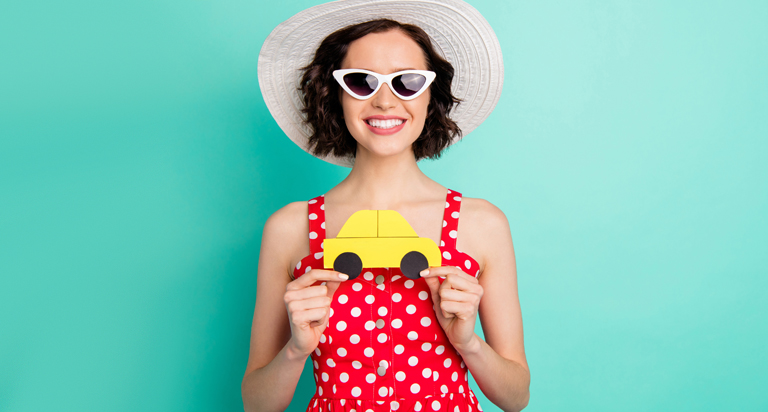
274	368
498	366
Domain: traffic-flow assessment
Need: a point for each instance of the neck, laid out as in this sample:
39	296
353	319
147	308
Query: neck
385	182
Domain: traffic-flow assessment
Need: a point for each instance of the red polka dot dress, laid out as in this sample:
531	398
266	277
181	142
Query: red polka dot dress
383	348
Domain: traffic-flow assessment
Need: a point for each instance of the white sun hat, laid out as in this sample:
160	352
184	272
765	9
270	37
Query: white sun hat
459	33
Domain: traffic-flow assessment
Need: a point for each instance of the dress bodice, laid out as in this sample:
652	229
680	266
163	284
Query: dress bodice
383	348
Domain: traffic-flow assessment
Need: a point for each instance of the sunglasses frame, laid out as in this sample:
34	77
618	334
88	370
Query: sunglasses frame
383	78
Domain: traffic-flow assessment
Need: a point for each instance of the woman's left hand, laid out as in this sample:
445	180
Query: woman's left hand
455	301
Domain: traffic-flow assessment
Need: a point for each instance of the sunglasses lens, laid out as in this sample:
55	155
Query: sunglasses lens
361	83
408	84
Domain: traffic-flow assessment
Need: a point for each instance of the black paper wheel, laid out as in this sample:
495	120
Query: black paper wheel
412	264
348	263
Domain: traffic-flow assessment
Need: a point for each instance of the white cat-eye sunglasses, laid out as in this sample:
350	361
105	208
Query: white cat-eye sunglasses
362	84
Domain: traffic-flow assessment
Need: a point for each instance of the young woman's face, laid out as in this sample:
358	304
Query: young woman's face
384	53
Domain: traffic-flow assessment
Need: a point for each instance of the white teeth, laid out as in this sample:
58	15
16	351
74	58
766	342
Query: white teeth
385	124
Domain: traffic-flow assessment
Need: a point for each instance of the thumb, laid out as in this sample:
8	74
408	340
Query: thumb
434	286
332	285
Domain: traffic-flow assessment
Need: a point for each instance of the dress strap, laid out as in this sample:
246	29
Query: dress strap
451	219
316	211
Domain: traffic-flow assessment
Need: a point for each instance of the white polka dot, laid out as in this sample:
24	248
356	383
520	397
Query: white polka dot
307	269
396	297
435	375
334	388
331	313
330	362
316	365
413	335
444	389
465	377
394	405
317	351
413	360
415	389
417	406
446	255
454	376
382	311
445	223
426	346
325	377
439	350
312	216
356	391
370	378
399	349
457	198
344	377
341	352
322	225
453	234
381	287
312	201
355	312
383	391
426	373
368	352
320	390
442	243
391	389
357	364
455	215
396	277
410	309
447	205
468	264
423	295
462	364
341	325
322	338
369	325
382	337
312	235
408	284
354	339
383	364
368	275
400	376
435	405
369	299
425	321
397	323
298	265
357	287
461	389
343	299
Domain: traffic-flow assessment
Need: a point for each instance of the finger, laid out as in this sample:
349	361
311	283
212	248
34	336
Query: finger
304	317
311	303
316	275
309	292
456	295
332	286
456	281
461	310
447	270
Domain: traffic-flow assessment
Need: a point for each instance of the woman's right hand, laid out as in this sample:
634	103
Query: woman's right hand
309	303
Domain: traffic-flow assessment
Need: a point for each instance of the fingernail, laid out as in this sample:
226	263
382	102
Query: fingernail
424	272
343	276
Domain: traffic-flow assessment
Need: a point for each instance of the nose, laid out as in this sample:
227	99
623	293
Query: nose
384	98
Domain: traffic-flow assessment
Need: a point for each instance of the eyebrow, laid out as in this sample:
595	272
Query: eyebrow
394	71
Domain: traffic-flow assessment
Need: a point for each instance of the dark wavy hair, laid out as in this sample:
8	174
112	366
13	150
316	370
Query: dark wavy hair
320	93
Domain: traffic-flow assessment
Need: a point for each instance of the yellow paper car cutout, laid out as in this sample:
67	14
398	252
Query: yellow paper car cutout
379	239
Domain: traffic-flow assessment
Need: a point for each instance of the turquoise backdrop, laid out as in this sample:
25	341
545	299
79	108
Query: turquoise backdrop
138	164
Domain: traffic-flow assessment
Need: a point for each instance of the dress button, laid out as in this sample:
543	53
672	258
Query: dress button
381	371
380	323
379	279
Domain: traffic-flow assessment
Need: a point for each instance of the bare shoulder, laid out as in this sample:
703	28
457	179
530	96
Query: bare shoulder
285	234
483	230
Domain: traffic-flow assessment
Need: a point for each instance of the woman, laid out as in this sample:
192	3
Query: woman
383	341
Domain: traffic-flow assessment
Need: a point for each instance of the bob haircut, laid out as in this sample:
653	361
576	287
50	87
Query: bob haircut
323	110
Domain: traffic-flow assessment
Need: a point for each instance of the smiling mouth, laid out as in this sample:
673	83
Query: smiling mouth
385	124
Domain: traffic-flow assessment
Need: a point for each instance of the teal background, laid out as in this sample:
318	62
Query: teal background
138	164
